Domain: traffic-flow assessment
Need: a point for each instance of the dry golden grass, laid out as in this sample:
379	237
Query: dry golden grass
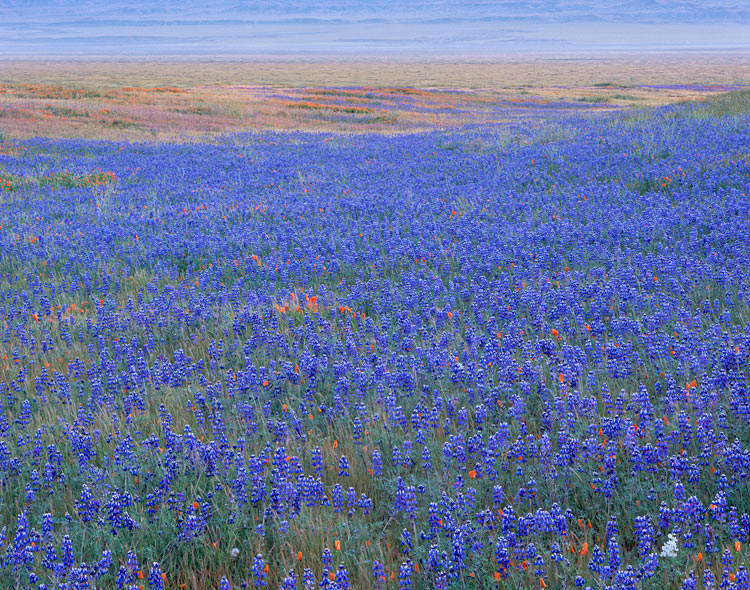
519	71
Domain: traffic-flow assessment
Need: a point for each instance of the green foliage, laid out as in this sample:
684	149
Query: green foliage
726	104
595	99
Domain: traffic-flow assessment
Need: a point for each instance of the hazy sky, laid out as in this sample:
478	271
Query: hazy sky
367	27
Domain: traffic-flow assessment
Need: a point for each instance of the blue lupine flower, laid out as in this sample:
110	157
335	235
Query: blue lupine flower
404	575
258	571
342	578
406	541
378	572
67	552
155	577
343	466
644	532
377	463
308	578
426	459
327	558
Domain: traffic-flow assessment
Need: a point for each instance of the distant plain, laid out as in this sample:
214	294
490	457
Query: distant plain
170	99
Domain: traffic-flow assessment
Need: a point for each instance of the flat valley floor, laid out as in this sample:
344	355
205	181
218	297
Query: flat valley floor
199	99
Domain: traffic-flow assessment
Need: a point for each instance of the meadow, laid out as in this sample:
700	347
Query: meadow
202	100
506	351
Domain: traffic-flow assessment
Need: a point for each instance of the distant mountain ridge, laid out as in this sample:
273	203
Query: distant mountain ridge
449	27
735	11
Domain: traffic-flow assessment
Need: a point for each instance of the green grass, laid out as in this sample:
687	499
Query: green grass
594	99
14	182
729	104
65	112
630	97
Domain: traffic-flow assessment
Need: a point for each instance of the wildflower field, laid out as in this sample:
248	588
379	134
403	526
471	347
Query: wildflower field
504	355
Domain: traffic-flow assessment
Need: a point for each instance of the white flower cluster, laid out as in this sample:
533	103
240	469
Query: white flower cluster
670	549
235	552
